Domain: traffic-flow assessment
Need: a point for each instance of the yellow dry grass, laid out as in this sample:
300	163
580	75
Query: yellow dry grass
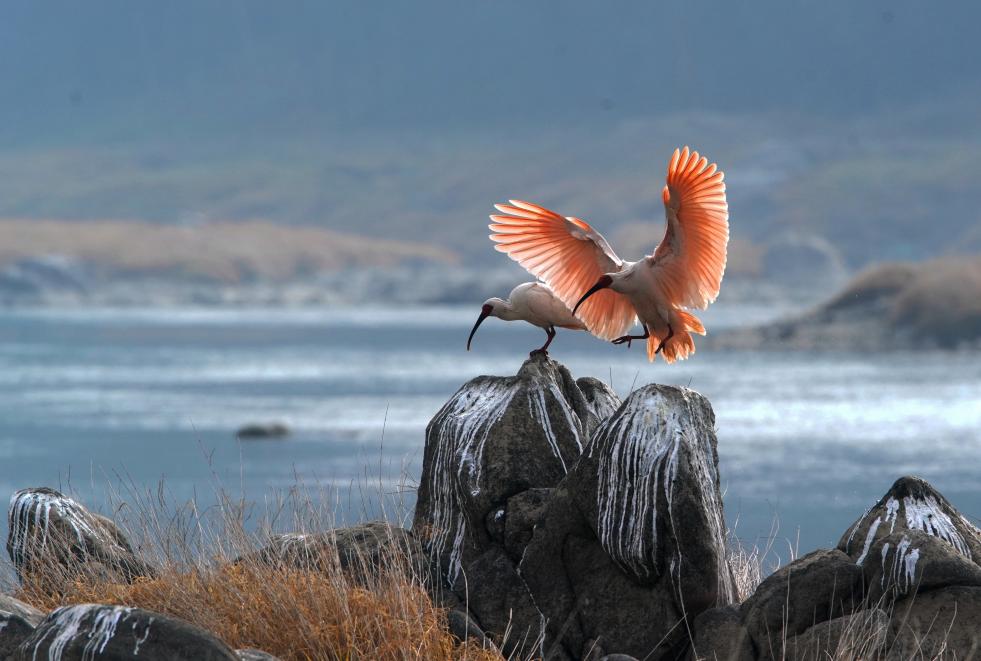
373	605
291	613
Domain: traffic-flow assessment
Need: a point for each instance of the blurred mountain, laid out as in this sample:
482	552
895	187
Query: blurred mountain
850	132
891	306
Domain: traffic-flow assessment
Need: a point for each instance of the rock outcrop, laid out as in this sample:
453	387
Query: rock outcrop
14	630
571	521
89	631
911	504
903	583
633	539
818	587
51	537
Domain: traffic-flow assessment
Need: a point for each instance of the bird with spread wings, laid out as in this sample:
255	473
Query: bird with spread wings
609	294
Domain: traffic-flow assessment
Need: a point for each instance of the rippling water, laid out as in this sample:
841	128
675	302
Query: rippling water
109	396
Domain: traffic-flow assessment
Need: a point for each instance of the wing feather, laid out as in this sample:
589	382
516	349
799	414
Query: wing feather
568	255
691	259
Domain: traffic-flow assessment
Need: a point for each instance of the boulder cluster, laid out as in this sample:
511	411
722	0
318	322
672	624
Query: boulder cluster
555	521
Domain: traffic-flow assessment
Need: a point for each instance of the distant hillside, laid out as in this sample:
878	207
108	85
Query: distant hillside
935	304
902	192
220	252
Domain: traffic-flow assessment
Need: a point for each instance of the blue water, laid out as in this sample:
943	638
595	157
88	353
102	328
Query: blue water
96	401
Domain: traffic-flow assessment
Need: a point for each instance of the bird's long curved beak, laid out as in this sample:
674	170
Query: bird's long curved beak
604	282
484	313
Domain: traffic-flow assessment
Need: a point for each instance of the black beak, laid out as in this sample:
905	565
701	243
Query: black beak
484	313
604	282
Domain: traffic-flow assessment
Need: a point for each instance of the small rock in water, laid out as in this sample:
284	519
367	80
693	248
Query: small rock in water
263	430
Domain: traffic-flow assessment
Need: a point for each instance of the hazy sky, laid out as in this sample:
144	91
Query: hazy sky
68	68
858	121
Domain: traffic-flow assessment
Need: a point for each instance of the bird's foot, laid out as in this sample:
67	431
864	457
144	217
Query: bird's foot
538	352
625	338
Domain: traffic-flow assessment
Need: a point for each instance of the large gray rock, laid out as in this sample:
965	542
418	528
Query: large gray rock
490	451
861	635
719	635
944	623
820	586
51	537
463	627
572	544
14	630
911	504
115	633
633	539
531	428
909	561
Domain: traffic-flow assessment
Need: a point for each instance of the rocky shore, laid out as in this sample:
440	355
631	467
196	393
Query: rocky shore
556	521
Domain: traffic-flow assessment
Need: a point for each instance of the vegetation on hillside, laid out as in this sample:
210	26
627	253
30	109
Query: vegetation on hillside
224	252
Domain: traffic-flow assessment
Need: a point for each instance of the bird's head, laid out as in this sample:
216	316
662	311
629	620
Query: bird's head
487	310
604	282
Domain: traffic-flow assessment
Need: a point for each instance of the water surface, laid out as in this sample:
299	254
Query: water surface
95	397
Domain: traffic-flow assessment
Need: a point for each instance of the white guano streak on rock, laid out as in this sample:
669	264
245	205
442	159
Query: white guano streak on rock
103	630
639	454
66	625
892	513
858	524
139	640
462	428
926	514
575	425
707	471
903	570
637	451
539	411
869	537
28	504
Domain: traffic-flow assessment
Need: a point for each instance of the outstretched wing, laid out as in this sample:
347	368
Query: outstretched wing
690	261
569	256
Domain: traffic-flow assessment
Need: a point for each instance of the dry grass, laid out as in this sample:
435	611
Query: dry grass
291	613
208	574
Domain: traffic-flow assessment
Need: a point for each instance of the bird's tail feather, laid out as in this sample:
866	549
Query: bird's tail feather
681	344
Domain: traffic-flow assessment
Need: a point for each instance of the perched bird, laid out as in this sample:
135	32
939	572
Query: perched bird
535	303
608	293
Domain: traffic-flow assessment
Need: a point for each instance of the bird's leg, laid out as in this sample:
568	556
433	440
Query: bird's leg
550	331
628	338
665	340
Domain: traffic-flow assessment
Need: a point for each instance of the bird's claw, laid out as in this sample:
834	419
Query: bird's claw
621	340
